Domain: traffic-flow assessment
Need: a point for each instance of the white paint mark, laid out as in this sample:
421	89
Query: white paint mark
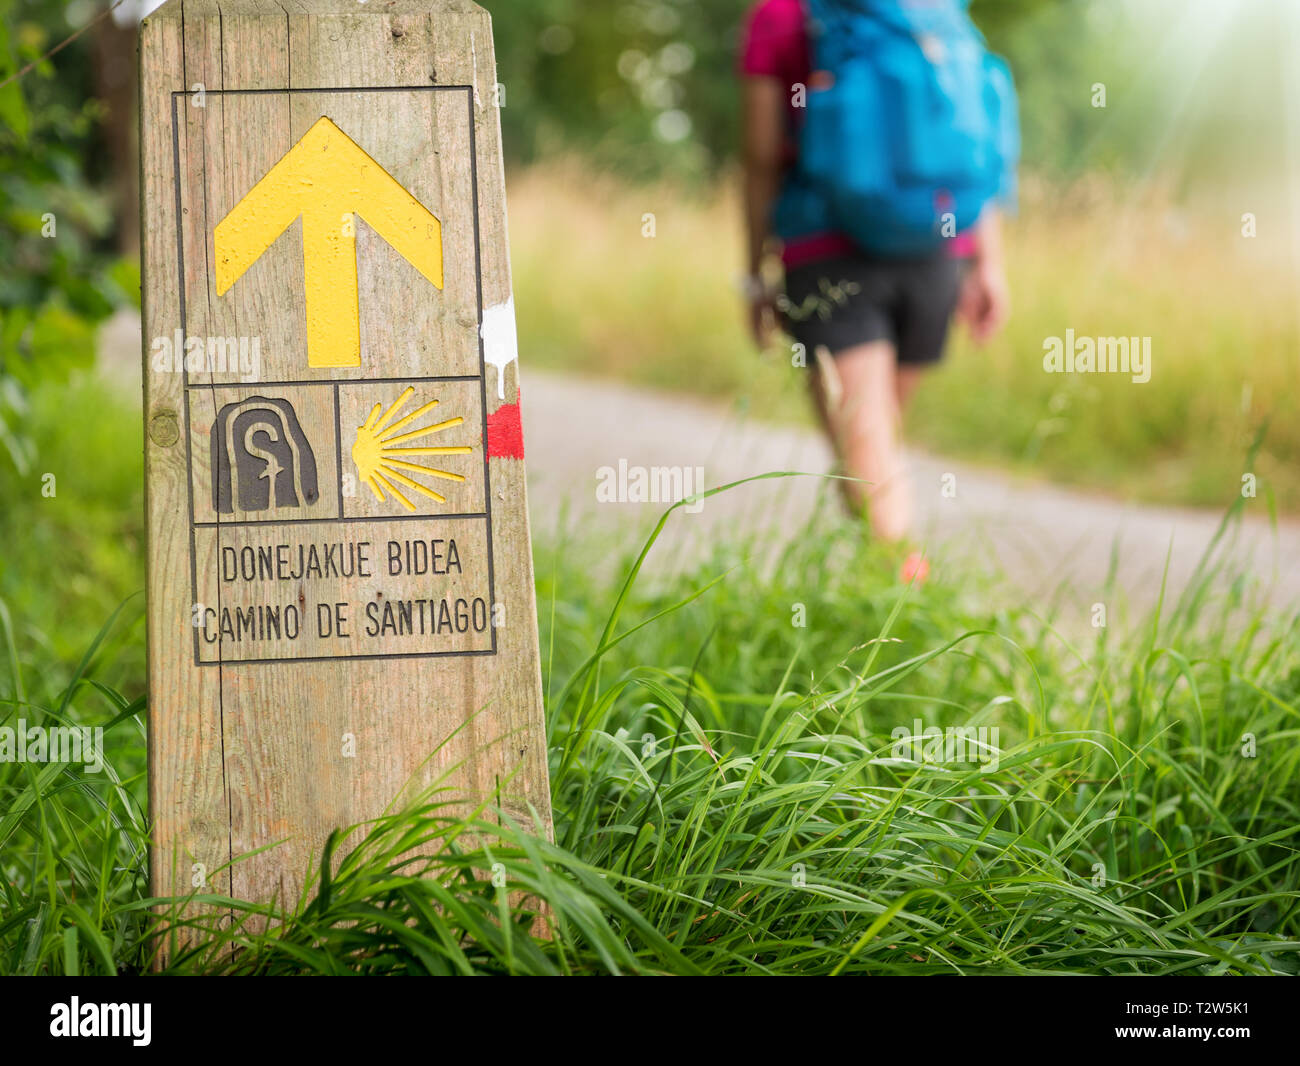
500	340
473	54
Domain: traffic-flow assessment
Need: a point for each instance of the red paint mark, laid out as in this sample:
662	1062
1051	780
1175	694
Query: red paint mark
505	432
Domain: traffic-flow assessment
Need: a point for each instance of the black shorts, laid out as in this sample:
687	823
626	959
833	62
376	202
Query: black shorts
854	299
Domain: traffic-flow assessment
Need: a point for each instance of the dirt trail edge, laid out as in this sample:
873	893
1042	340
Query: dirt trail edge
1041	537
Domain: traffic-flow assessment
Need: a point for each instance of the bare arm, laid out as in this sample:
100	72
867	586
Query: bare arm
988	238
985	299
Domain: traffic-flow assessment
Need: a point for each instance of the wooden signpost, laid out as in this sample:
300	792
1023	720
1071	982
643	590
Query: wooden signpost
341	605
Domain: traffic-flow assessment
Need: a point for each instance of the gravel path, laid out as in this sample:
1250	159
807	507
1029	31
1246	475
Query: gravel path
1047	541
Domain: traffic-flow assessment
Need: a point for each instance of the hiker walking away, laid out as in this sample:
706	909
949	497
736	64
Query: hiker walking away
878	137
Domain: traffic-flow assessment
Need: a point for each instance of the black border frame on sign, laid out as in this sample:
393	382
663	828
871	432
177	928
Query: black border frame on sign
177	96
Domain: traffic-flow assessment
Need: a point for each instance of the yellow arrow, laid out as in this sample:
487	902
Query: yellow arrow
327	177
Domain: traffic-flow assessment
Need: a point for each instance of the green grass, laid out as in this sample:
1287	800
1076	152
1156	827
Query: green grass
663	311
72	548
726	800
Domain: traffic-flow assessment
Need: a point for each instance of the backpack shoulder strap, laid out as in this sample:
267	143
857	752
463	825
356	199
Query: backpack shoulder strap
902	15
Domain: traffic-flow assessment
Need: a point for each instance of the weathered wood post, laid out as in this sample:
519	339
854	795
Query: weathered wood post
341	605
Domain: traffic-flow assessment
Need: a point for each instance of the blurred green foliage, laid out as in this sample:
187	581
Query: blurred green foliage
59	274
1197	91
642	86
649	86
72	529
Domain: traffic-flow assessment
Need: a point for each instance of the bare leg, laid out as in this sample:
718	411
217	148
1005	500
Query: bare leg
909	377
857	397
824	387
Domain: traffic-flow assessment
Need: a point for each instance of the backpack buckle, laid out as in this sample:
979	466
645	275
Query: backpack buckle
933	48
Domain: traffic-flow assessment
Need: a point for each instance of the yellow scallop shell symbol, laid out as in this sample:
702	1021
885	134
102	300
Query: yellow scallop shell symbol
380	459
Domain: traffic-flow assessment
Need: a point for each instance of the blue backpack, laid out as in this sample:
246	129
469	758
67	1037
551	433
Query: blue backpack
911	127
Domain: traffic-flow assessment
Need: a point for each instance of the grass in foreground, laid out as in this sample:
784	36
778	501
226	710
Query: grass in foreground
727	800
